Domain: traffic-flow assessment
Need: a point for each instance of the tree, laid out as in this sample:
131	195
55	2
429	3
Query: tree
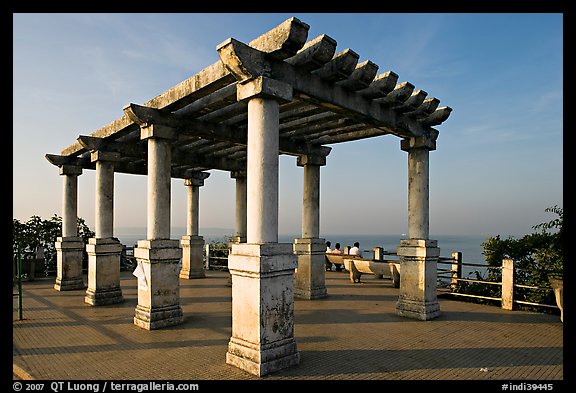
40	232
537	256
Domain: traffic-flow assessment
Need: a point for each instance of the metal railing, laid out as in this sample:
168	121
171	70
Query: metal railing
214	258
449	278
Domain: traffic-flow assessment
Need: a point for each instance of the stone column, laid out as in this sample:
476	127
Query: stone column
241	207
310	277
262	269
418	255
193	244
158	256
69	247
103	249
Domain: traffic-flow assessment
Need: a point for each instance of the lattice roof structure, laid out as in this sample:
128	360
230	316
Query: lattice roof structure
334	99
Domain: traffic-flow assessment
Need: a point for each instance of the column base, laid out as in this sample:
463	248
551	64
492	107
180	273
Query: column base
188	274
158	317
262	308
158	284
102	297
310	294
103	272
260	360
192	257
68	284
418	275
310	277
69	256
422	311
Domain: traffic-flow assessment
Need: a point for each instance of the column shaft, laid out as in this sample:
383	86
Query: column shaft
311	202
158	214
69	247
192	244
104	199
241	208
262	179
158	256
262	270
69	205
103	250
418	194
192	222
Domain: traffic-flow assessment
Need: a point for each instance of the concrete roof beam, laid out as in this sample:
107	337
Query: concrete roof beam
428	106
284	40
380	86
361	77
437	117
314	54
414	101
340	67
398	96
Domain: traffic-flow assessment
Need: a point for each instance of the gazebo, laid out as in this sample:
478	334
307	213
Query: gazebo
278	94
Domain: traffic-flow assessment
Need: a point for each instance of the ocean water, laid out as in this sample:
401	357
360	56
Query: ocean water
468	245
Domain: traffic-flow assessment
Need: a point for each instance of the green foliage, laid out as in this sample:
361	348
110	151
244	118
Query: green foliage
536	256
219	254
41	232
219	249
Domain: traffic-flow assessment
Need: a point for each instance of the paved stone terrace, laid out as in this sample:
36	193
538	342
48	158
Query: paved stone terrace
353	334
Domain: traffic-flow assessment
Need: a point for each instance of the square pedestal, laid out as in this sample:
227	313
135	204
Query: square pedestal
192	257
103	272
262	308
69	254
310	277
418	275
158	284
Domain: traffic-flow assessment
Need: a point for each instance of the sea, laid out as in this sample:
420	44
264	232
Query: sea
469	245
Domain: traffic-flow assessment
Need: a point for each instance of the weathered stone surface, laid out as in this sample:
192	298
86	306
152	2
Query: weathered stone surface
284	40
428	107
266	88
418	294
159	290
340	67
310	276
69	253
158	250
380	86
438	116
262	308
361	77
192	257
103	272
314	54
398	96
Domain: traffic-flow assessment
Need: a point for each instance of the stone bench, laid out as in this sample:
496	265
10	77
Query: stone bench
380	268
337	260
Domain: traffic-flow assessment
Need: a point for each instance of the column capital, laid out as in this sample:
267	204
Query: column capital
157	131
419	142
196	179
311	159
264	87
109	156
70	170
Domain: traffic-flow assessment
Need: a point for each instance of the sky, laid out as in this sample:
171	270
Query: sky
499	158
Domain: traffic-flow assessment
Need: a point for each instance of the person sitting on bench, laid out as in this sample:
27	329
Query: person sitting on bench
355	250
336	249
